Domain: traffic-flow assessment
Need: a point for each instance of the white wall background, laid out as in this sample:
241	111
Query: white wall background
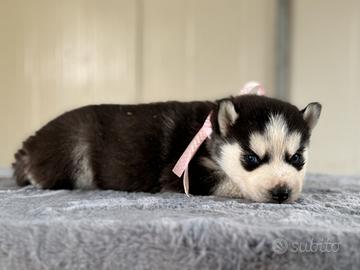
57	55
326	68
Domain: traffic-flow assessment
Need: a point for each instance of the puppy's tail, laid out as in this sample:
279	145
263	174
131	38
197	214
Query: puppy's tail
20	167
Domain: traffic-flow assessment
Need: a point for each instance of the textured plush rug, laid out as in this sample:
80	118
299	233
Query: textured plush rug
117	230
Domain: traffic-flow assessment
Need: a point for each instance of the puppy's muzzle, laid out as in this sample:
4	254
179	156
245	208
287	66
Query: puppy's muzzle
280	193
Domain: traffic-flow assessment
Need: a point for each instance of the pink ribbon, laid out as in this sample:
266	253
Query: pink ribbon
253	87
182	165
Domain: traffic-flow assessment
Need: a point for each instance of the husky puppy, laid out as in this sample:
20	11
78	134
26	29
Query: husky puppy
257	151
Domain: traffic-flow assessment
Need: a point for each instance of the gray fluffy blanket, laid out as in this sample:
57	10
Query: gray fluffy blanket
118	230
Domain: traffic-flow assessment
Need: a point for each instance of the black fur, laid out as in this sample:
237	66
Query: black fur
134	147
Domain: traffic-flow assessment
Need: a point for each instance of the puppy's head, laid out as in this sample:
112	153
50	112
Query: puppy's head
261	145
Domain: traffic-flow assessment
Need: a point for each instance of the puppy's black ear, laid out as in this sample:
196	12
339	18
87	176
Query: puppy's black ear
226	116
311	114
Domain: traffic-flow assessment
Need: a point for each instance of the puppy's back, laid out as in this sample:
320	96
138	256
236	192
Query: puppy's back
123	147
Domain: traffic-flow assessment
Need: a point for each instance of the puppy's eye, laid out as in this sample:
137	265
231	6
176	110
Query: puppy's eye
296	159
252	160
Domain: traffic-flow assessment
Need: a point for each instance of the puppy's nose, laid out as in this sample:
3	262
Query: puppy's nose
280	193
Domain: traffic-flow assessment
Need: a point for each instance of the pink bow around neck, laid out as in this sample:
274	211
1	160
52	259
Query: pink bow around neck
182	164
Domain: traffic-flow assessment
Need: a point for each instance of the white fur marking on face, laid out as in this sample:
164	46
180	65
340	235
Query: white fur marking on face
230	158
84	175
278	139
229	163
226	187
258	144
275	133
292	142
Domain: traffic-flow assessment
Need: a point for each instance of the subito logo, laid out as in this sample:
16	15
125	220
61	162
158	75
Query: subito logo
280	246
